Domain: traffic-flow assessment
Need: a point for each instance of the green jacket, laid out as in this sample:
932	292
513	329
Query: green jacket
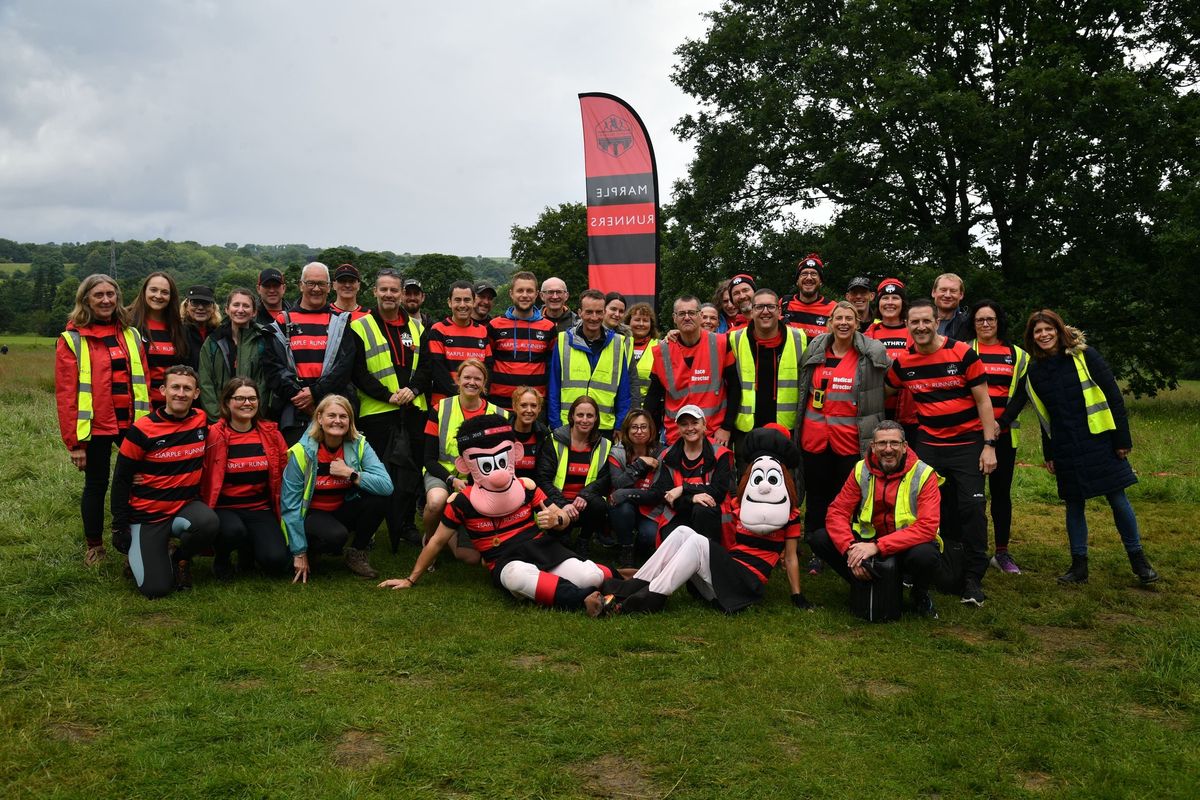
218	356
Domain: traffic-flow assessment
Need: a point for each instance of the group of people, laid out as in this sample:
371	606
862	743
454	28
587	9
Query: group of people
288	431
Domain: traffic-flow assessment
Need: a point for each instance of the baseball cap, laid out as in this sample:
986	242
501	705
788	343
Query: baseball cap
690	410
484	286
346	271
859	282
203	294
412	283
270	275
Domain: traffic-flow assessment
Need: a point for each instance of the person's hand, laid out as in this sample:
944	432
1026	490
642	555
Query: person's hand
303	400
801	602
672	335
402	397
1050	467
396	583
579	503
704	499
571	511
721	437
79	458
987	460
300	564
859	552
338	469
673	494
458	484
862	574
650	461
548	518
1122	452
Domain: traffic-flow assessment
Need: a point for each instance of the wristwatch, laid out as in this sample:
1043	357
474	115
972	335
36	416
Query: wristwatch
990	442
353	477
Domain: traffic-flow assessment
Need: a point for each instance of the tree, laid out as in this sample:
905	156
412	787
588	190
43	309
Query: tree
1026	142
555	246
436	272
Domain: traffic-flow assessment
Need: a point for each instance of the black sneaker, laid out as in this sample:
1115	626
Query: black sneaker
923	603
183	575
973	594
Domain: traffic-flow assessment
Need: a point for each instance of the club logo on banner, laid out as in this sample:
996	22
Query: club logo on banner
614	136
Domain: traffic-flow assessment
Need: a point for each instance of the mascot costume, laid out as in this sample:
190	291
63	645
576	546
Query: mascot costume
759	525
506	518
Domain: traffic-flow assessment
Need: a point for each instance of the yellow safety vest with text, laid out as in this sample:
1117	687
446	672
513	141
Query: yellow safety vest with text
380	364
787	396
137	379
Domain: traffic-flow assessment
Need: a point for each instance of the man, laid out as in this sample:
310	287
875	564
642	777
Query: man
485	296
522	341
156	489
698	368
948	291
414	298
956	432
391	401
346	283
308	354
886	519
271	288
807	309
741	295
452	341
860	294
554	305
593	360
767	355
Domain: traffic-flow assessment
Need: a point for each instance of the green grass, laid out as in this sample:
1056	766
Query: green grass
8	268
335	689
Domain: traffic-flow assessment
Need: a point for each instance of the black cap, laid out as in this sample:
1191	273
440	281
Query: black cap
203	294
346	271
484	286
859	282
270	275
412	283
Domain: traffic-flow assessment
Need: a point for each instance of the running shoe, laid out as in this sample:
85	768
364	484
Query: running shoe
1004	562
973	594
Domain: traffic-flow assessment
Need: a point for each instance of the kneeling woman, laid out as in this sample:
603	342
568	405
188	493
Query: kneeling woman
243	479
333	484
573	471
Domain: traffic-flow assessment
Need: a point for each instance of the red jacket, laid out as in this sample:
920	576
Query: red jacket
217	449
890	541
66	385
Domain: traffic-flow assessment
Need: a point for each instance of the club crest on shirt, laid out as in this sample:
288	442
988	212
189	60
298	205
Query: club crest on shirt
952	369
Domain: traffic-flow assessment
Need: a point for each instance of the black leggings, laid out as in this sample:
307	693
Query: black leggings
1000	487
96	476
254	532
196	527
328	532
824	474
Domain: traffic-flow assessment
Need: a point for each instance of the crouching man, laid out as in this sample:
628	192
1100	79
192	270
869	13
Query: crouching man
507	518
884	524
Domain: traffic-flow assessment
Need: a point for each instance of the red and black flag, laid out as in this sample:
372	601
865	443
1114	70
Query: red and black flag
622	199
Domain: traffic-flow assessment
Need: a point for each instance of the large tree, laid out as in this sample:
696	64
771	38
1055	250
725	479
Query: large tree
436	271
1032	140
555	245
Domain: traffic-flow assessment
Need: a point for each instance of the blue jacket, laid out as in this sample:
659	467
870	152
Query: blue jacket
555	409
298	483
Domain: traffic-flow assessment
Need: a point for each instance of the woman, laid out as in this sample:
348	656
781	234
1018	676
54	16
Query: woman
841	392
632	464
243	481
236	348
442	478
155	314
693	479
100	387
891	306
573	472
643	329
1005	365
1085	435
529	429
710	318
333	484
200	318
724	302
614	312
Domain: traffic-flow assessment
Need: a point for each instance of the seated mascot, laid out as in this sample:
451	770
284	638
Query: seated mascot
507	519
761	523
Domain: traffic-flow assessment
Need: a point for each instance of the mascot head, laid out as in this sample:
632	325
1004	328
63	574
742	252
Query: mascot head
767	491
488	452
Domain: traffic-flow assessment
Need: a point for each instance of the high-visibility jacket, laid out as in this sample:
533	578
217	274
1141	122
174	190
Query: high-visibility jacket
832	421
599	456
1019	368
709	395
379	363
139	385
787	383
906	498
1099	416
450	419
640	377
601	384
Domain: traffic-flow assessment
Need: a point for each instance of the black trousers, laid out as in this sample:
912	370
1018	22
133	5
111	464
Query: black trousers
397	438
824	474
591	519
328	532
149	557
927	566
96	477
257	533
963	507
702	519
1000	489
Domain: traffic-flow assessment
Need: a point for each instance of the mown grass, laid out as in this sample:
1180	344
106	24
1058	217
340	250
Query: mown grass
263	689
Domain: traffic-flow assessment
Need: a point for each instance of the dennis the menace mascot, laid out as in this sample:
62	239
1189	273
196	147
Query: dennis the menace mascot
506	517
760	524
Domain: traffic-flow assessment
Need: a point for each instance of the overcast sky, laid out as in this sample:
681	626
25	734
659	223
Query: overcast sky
385	125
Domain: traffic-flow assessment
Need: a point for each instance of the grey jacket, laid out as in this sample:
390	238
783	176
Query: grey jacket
873	362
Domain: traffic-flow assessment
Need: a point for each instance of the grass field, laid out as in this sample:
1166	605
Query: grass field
335	689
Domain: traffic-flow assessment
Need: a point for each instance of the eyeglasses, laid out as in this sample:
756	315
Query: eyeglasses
809	273
553	292
887	445
686	314
245	401
985	320
639	427
757	307
315	284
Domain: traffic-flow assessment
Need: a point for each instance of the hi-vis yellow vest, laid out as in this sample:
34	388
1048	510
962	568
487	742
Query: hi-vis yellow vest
599	456
309	469
639	380
1020	367
137	380
787	397
379	363
1099	416
578	378
450	419
906	498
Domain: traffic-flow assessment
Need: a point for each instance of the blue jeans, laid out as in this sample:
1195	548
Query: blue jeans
631	527
1123	517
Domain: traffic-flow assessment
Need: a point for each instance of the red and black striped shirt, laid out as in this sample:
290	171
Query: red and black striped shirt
999	361
448	345
308	334
495	537
812	318
160	354
578	462
119	359
527	464
330	491
521	349
246	476
941	385
168	458
757	552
